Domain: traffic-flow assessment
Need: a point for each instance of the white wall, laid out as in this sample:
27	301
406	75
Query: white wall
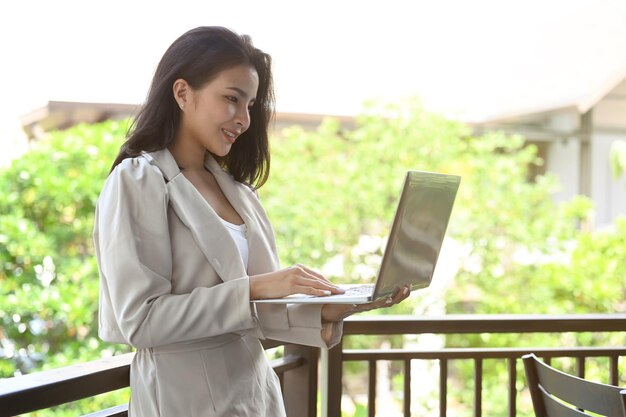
13	141
608	193
563	158
609	125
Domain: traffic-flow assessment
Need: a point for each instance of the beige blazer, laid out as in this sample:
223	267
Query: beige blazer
173	285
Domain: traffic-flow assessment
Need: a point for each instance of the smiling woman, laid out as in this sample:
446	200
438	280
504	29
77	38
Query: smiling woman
214	116
212	120
184	246
204	75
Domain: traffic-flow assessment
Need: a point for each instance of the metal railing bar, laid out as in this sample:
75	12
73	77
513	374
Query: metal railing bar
334	380
443	387
580	372
580	367
371	405
464	324
478	387
472	353
613	369
512	391
407	388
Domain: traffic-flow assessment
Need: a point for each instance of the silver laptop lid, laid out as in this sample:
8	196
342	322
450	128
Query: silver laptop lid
417	232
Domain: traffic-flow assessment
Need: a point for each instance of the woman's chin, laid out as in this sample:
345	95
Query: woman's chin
220	153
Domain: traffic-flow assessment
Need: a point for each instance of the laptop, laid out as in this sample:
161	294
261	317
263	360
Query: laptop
413	246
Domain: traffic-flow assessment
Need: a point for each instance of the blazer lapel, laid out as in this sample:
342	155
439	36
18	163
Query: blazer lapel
262	255
208	231
234	191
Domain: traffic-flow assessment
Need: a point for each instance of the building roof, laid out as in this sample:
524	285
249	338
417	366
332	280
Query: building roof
63	114
581	104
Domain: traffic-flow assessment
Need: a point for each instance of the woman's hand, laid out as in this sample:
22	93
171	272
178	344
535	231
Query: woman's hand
338	312
295	280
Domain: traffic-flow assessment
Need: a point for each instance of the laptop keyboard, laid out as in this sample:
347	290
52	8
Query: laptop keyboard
359	290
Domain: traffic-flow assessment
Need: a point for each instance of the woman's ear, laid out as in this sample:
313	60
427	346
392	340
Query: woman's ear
181	91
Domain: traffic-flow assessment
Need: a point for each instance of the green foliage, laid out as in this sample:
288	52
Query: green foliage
48	271
331	198
333	192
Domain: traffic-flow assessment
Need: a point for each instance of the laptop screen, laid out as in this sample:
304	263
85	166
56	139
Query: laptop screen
417	232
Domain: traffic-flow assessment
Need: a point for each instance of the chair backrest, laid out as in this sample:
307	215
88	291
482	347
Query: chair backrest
550	388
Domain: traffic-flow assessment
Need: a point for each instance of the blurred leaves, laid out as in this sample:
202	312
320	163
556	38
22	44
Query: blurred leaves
331	198
48	272
333	193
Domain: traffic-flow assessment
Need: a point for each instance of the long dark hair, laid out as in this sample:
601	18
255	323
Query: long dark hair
198	56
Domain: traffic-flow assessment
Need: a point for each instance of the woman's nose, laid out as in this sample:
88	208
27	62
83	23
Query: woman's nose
242	118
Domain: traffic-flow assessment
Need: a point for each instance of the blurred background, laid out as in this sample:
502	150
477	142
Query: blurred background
536	65
525	100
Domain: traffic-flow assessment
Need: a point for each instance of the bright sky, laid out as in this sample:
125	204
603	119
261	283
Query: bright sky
476	58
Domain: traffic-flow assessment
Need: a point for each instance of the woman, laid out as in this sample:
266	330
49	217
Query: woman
184	245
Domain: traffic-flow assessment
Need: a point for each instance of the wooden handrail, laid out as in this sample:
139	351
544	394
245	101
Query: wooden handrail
474	323
479	353
467	324
298	367
45	389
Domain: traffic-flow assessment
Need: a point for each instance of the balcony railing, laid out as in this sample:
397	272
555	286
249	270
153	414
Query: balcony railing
465	324
298	369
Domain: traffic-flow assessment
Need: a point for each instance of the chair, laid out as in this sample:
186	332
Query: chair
557	394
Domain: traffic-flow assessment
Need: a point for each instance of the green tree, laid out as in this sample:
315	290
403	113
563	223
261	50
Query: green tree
333	192
48	273
331	198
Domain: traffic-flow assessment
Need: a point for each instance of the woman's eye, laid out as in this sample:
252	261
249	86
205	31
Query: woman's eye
231	98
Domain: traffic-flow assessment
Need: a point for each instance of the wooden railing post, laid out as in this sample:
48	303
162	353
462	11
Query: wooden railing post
335	375
300	384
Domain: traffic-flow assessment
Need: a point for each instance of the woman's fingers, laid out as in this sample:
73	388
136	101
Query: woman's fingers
316	287
336	312
334	289
402	294
311	271
294	280
313	283
396	298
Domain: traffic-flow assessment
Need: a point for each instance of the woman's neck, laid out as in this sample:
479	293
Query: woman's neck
188	158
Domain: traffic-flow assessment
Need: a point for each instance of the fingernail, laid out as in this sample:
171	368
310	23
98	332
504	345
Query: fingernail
326	292
389	301
405	291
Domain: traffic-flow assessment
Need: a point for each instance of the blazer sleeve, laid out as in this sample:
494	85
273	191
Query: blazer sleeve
134	255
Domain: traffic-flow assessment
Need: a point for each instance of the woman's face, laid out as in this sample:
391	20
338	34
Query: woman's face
215	115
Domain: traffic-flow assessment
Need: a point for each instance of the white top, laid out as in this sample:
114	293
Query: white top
238	232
